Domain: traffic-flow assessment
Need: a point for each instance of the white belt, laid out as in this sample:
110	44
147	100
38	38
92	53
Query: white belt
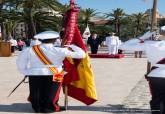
46	66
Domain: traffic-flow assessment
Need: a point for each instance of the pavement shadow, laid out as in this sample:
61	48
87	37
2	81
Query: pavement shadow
16	107
115	109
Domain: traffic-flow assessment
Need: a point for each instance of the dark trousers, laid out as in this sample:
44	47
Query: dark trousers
120	51
44	93
20	48
157	87
94	50
138	54
12	49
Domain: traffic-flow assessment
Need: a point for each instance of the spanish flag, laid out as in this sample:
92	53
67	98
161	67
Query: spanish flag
79	79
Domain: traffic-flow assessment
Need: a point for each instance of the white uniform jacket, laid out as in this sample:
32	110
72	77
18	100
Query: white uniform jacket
112	40
29	64
155	51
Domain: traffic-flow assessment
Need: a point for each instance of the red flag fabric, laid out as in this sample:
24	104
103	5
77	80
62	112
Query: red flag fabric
79	79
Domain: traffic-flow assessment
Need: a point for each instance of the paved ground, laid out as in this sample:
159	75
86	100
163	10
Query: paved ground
120	85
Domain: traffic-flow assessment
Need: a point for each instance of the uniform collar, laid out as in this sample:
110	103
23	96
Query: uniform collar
47	44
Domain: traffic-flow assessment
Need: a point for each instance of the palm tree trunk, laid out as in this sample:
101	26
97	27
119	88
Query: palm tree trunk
154	16
31	28
137	29
32	23
2	23
3	31
118	27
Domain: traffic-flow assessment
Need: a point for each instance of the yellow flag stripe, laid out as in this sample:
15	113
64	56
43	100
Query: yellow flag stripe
86	80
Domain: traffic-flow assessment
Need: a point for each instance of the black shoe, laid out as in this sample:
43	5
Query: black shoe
47	110
37	110
62	108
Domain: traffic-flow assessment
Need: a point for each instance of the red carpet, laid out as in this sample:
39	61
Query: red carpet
105	55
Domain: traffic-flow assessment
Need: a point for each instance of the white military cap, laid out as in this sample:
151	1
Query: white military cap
47	35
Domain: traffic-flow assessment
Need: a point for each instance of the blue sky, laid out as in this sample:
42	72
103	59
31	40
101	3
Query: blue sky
129	6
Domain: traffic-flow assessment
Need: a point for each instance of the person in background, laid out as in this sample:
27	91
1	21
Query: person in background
93	42
21	44
13	44
112	42
27	41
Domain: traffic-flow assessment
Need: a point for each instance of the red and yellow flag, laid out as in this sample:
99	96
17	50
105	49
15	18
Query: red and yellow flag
79	79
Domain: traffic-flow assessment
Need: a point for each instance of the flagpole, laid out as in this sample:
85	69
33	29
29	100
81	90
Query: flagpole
65	86
66	97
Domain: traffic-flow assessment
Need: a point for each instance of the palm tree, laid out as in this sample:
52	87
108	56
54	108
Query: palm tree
117	15
86	15
8	18
46	22
139	22
29	9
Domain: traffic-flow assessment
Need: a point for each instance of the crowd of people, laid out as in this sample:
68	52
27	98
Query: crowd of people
20	44
93	42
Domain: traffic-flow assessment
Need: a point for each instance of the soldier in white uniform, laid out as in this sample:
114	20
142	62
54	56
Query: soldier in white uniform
155	51
43	64
112	42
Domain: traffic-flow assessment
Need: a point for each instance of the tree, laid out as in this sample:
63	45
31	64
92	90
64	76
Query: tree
29	9
139	22
8	19
87	14
117	15
44	21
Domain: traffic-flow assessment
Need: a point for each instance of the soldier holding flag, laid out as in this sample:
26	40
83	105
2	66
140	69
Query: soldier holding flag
43	64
